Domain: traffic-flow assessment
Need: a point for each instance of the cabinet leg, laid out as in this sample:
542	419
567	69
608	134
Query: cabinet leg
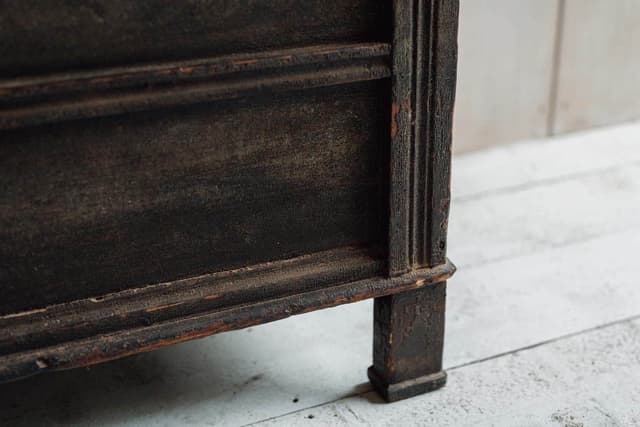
407	343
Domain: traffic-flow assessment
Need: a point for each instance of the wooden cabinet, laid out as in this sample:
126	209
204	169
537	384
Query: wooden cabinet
170	170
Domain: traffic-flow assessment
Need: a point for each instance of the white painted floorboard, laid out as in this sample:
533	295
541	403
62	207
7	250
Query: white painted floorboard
546	235
529	163
589	379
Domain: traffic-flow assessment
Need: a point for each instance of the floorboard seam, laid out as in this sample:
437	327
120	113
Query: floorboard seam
463	365
563	245
541	183
549	341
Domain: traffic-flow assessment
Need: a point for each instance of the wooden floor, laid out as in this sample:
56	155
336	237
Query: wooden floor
543	324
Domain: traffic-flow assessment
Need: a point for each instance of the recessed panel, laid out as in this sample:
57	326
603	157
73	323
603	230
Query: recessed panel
95	206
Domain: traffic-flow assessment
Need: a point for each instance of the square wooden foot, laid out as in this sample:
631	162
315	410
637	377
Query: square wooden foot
407	388
408	341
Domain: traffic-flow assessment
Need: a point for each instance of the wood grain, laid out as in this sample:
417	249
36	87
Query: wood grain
409	328
102	205
30	101
101	348
175	172
40	36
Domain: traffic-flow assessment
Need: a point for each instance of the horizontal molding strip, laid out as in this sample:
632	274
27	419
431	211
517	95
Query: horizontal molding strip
109	346
76	95
159	302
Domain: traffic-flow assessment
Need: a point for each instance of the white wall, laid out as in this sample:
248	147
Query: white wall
532	68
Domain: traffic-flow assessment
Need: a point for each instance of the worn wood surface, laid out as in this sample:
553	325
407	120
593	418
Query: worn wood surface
47	35
66	96
409	329
423	92
164	301
102	205
174	172
408	339
522	301
103	347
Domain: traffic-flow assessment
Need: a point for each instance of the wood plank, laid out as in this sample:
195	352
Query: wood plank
537	218
165	301
114	345
108	204
530	163
570	381
47	35
514	303
423	92
529	183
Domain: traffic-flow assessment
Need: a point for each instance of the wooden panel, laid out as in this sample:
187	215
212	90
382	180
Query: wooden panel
106	204
504	79
599	74
40	35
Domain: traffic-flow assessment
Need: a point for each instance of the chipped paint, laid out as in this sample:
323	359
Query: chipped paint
395	109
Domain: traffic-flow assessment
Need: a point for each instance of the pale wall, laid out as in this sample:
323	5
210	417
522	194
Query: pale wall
532	68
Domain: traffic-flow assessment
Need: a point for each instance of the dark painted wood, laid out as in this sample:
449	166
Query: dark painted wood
73	95
402	102
109	346
439	83
423	91
156	303
408	338
48	35
108	204
172	170
409	328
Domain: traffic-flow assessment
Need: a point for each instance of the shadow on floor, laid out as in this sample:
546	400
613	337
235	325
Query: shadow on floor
232	378
123	389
